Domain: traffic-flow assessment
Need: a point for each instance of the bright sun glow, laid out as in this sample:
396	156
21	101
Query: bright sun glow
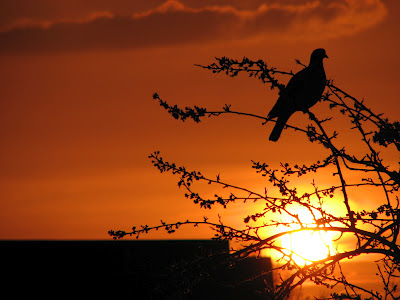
308	246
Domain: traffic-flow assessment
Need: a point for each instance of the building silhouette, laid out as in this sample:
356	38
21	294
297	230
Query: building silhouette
165	269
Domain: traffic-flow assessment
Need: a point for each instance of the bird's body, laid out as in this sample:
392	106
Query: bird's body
304	90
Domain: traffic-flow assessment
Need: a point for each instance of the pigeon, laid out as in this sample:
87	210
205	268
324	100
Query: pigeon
304	90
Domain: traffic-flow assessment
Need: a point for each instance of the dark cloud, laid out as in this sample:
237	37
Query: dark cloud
174	22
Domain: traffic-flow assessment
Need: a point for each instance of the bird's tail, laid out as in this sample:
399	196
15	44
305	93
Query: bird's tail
280	124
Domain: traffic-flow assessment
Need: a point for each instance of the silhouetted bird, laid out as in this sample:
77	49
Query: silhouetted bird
304	89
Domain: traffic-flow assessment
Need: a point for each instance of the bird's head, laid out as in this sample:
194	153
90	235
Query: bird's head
318	55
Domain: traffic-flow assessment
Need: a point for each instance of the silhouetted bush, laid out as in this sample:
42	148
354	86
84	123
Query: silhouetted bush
370	231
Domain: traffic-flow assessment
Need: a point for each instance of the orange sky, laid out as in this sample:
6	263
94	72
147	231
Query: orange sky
78	121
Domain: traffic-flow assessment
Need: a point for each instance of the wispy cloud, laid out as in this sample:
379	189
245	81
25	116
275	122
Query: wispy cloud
176	23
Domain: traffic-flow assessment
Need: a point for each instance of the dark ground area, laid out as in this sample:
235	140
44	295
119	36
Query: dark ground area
126	269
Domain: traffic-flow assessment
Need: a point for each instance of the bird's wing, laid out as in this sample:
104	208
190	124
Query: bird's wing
285	102
297	82
313	88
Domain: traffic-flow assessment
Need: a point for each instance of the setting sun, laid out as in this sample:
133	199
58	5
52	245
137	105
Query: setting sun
308	246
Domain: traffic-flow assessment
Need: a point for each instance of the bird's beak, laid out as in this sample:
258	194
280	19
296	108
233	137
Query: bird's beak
326	56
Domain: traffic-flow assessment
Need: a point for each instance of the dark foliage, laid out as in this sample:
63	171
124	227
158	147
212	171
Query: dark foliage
373	231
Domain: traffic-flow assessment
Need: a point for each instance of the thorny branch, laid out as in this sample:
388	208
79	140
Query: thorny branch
375	231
